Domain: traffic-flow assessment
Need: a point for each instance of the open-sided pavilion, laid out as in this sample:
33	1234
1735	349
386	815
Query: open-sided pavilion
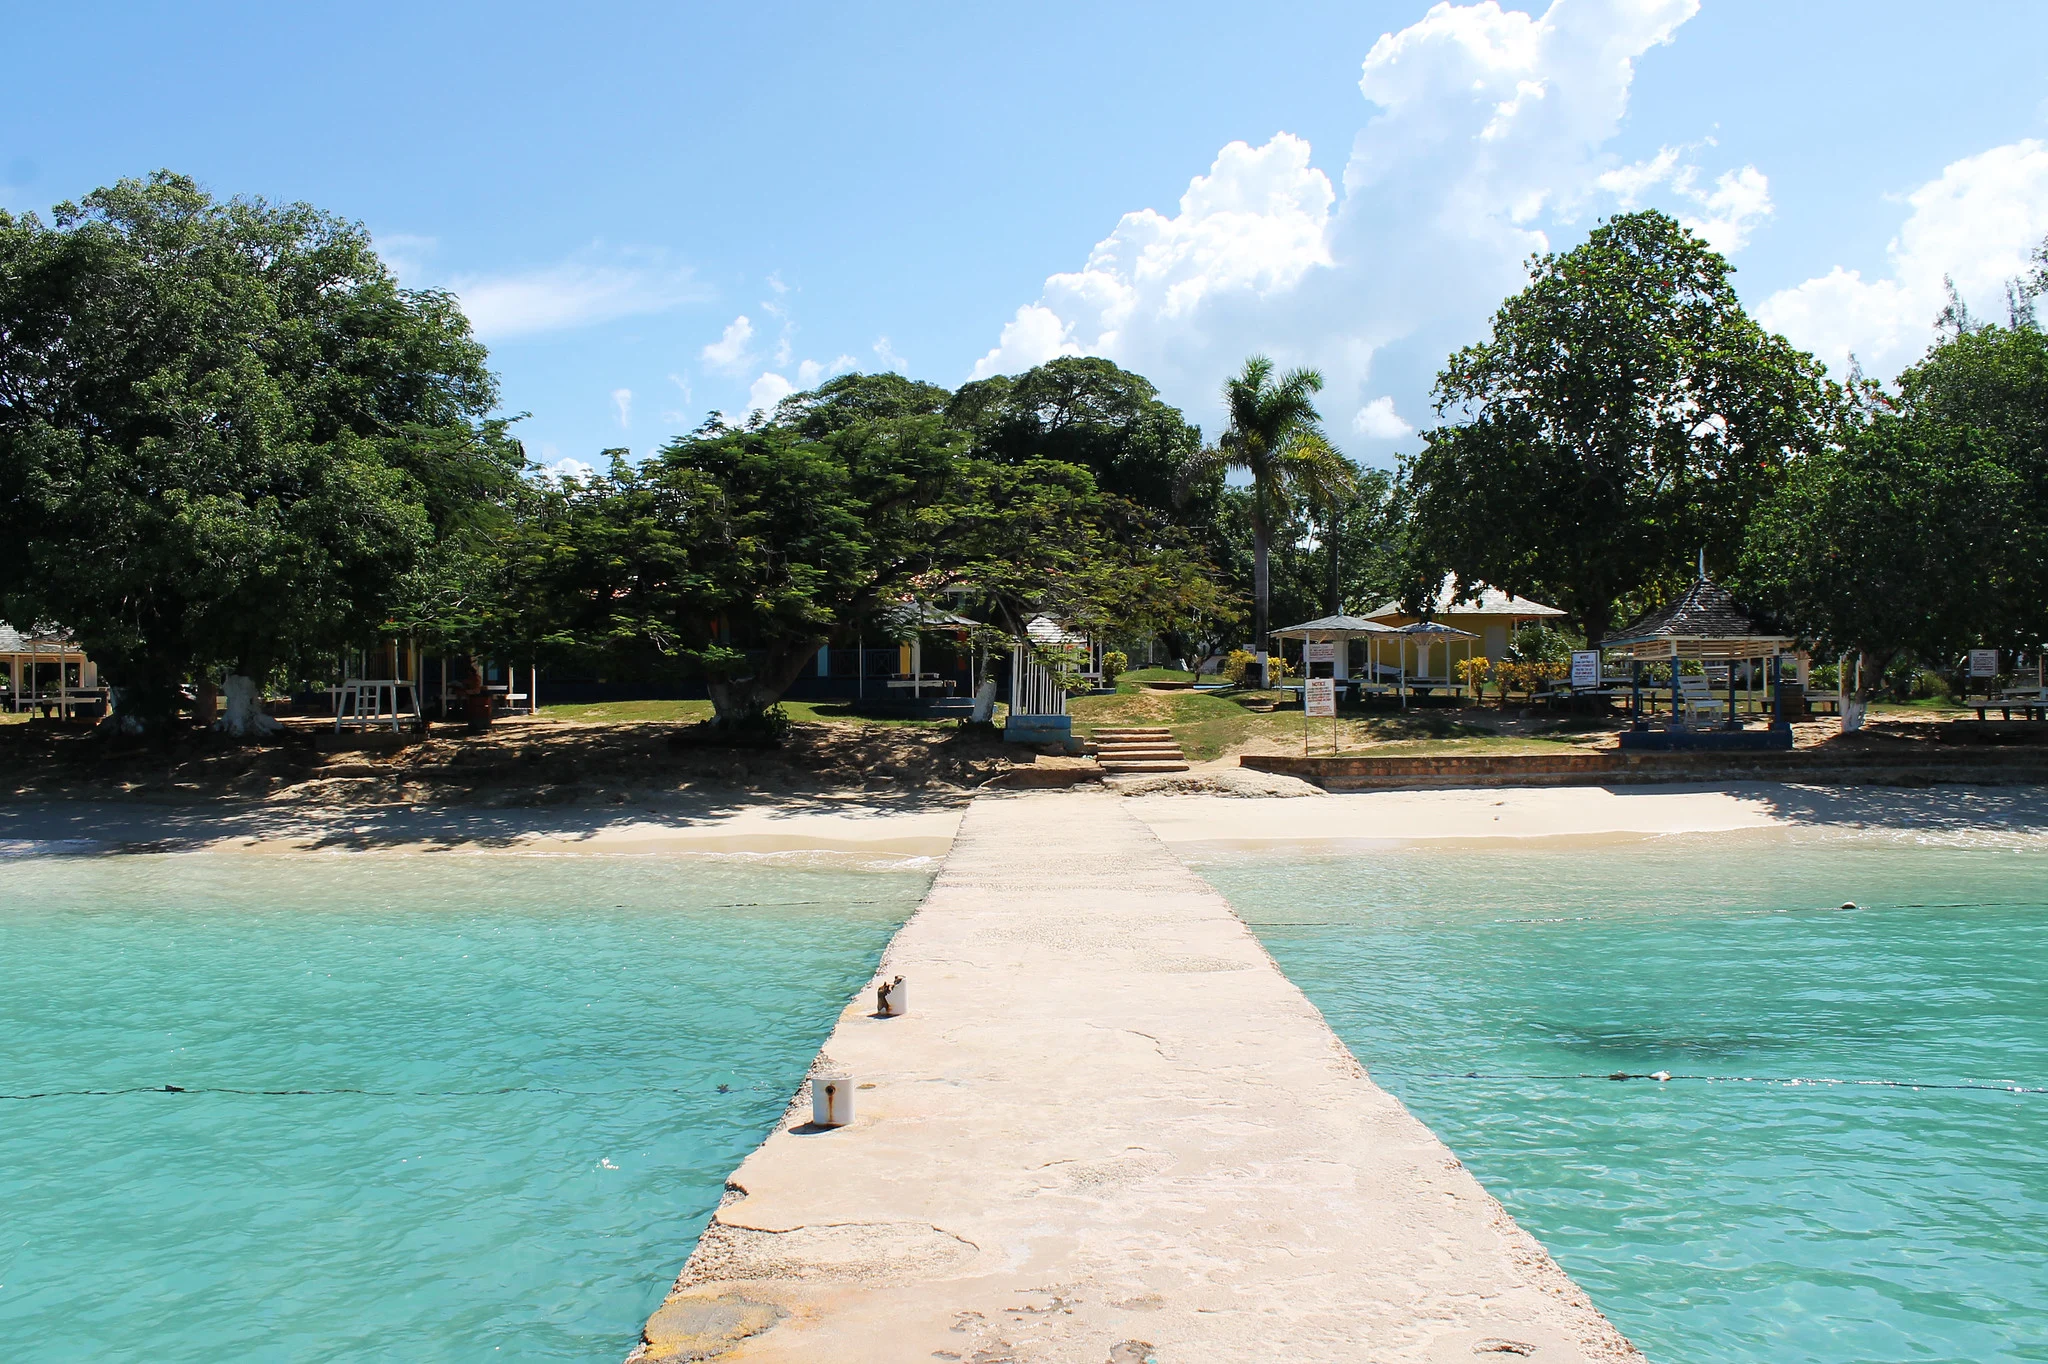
1707	625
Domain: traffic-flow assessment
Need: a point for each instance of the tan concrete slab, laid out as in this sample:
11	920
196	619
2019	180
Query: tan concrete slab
1108	1131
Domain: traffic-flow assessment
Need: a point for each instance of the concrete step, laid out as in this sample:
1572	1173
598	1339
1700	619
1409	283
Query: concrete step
1118	732
1138	751
1113	765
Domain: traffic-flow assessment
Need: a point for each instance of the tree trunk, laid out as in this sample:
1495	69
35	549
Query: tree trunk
740	704
1259	586
243	715
205	701
1336	572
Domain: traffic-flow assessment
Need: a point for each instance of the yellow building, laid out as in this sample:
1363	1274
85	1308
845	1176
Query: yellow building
1487	612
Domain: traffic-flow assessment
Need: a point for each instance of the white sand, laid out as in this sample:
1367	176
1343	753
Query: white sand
1358	819
1407	816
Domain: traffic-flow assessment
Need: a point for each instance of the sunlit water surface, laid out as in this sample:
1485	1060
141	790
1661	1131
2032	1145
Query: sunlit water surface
1754	1215
529	1077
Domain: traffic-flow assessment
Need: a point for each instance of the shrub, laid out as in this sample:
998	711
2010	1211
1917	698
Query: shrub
1474	672
1113	664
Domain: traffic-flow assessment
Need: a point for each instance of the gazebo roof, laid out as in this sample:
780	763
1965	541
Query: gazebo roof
13	641
1477	600
1327	628
1434	627
1706	622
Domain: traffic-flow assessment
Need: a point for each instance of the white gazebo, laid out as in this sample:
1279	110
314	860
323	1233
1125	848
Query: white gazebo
1339	630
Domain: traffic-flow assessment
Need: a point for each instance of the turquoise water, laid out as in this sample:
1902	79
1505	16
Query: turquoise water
531	1076
1755	1215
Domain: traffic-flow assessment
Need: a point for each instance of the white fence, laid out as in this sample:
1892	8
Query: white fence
1034	688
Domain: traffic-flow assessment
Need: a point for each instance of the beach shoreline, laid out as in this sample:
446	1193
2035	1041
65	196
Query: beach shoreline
924	824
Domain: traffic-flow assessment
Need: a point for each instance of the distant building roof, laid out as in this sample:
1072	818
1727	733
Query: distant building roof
1047	632
13	641
1477	600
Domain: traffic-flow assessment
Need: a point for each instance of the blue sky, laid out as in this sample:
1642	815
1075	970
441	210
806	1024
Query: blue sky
955	190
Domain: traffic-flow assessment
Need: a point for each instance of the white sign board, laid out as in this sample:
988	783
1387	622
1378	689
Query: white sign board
1585	669
1321	697
1983	662
1326	652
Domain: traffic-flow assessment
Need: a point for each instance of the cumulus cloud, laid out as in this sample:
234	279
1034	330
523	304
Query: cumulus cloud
1724	213
1378	420
886	353
730	352
622	400
1975	223
1485	130
811	373
595	286
767	391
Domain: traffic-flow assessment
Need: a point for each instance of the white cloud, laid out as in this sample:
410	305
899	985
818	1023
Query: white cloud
682	384
622	399
810	372
886	353
1378	420
554	471
1976	222
730	351
767	391
597	285
1483	127
1724	215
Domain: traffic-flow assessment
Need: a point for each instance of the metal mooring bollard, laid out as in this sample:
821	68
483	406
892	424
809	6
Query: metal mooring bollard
892	998
831	1100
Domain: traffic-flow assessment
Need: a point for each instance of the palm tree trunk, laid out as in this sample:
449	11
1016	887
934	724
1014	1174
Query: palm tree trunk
1259	585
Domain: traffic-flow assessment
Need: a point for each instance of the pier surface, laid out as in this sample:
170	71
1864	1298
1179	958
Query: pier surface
1108	1131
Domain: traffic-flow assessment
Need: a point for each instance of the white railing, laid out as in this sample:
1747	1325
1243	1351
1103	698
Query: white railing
1034	688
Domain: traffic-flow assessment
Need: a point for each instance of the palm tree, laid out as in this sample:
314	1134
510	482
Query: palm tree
1275	435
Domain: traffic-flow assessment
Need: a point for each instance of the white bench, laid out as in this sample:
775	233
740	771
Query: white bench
1696	699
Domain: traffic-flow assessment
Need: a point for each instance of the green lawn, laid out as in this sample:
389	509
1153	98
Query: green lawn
690	712
1210	724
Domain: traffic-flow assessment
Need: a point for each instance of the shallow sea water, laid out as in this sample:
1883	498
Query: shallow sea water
529	1078
1755	1214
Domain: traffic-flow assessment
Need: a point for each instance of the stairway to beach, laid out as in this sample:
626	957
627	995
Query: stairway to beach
1137	748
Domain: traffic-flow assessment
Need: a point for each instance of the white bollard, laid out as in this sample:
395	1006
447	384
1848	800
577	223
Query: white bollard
892	998
831	1100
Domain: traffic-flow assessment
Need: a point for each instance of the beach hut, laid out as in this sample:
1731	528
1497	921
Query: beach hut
1705	624
1490	615
47	671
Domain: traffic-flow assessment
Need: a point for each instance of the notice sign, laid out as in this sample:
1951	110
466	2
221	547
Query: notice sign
1321	697
1326	652
1585	669
1983	662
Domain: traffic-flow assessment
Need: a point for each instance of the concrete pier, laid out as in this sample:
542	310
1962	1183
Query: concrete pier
1109	1131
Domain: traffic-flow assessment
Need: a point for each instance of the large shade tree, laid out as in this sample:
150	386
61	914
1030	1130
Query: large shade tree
735	553
1624	414
1275	435
228	438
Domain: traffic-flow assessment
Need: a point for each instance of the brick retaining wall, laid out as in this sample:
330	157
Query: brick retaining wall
1390	772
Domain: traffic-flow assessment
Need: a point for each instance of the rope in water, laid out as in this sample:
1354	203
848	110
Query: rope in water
1665	1076
374	1093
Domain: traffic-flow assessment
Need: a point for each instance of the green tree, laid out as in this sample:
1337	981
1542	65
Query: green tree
1624	414
227	437
1860	549
1275	435
1088	412
734	554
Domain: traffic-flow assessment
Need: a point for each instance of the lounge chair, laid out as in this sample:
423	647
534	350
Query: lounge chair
1695	699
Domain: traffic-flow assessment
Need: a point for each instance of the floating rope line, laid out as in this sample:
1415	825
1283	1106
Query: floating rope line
1788	1081
378	1093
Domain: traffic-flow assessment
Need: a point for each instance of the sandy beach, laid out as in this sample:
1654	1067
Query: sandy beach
924	825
